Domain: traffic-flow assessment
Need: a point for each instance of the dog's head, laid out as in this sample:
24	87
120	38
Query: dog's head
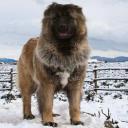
64	22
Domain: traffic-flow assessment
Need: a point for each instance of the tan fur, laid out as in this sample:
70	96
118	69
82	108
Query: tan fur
42	67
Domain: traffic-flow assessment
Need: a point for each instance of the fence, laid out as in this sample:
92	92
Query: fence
10	80
95	78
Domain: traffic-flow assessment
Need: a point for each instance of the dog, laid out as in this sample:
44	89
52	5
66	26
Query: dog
54	61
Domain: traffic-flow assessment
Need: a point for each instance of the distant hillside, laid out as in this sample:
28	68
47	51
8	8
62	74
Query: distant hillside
98	58
107	59
7	60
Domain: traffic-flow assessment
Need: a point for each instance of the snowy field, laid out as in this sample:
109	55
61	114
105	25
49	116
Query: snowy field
101	110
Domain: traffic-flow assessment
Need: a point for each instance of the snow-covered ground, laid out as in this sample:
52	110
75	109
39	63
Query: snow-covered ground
94	107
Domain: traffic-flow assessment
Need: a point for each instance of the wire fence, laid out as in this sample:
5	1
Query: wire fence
94	80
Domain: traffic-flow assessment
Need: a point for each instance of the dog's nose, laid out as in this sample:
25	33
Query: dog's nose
63	27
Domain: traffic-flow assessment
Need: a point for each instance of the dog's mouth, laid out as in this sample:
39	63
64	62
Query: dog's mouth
64	31
65	35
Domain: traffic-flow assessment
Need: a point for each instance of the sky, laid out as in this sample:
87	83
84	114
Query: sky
107	23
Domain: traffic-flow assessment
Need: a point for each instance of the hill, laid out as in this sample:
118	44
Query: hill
107	59
7	60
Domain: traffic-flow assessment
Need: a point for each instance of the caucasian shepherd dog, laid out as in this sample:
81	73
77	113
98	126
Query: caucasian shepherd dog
55	61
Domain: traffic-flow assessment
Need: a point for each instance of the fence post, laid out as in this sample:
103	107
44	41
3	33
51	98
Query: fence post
95	76
11	78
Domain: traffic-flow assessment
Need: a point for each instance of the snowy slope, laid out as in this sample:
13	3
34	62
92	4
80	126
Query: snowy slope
11	117
11	114
91	109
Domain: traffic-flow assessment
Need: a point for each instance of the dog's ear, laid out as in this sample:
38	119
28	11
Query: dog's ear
50	8
54	4
75	7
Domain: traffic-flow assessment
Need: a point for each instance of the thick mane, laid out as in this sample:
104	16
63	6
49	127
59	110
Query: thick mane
62	53
50	57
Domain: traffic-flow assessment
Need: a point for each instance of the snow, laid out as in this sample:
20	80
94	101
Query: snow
92	60
91	109
11	116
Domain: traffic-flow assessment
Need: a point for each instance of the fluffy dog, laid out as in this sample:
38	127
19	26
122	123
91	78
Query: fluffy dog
55	61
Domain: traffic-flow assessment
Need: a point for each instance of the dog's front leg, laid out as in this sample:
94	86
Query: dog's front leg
74	96
45	100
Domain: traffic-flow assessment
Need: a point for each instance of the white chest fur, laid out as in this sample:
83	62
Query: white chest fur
63	78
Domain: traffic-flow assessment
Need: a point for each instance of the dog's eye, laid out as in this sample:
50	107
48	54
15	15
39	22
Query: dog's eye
55	18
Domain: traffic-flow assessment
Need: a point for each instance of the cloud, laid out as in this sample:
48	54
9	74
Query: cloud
106	19
108	53
7	51
19	20
107	23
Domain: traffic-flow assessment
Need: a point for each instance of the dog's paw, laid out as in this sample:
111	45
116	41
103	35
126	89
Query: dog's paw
55	115
52	124
29	117
77	122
